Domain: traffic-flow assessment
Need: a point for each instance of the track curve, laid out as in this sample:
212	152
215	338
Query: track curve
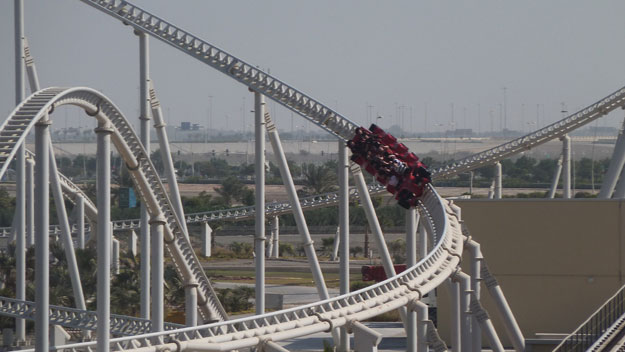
16	127
440	263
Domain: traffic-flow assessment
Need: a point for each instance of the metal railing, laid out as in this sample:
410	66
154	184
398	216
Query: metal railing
601	323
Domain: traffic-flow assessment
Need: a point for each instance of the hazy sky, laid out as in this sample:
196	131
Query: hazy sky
396	56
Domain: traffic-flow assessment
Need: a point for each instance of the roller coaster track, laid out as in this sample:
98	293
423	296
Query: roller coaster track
543	135
79	319
394	293
398	291
14	130
232	214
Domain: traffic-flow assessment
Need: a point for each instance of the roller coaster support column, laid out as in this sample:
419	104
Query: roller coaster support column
21	241
259	168
115	257
168	163
423	239
66	232
30	203
275	229
483	319
556	179
411	260
476	264
144	118
298	214
343	238
566	160
20	207
42	240
509	322
157	225
103	190
80	221
374	224
207	238
465	313
616	167
498	180
619	193
337	243
190	290
59	202
421	335
454	321
365	339
132	243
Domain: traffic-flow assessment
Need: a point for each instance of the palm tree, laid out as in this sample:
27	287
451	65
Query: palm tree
319	179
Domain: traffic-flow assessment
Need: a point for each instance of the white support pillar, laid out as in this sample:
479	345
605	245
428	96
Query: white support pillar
556	179
619	192
466	340
616	167
144	119
411	260
476	279
80	223
103	190
298	214
423	239
115	257
190	291
483	319
168	163
20	207
66	232
269	248
421	335
336	244
157	227
207	239
365	339
259	169
498	180
42	239
566	161
491	190
132	243
343	233
505	313
21	240
30	203
374	224
275	229
454	321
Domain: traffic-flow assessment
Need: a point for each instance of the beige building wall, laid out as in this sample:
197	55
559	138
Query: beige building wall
556	260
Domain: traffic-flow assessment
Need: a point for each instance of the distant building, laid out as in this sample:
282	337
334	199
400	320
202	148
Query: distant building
188	126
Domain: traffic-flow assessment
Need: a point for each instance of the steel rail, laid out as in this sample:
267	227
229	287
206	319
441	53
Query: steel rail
232	214
538	137
235	68
13	132
395	292
80	319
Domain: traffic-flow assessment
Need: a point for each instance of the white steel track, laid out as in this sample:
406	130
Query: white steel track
398	291
14	130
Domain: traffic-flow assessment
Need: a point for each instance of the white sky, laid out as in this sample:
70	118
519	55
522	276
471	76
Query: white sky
393	55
